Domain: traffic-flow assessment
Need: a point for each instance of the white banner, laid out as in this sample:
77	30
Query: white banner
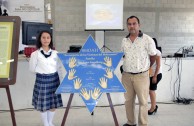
28	10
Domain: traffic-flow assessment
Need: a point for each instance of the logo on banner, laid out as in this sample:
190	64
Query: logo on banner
90	73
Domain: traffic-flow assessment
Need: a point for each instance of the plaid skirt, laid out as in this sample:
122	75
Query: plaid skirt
44	97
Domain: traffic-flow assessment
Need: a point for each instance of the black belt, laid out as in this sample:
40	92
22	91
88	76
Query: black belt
137	73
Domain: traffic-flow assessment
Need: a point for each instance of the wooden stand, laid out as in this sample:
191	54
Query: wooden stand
10	103
69	104
12	26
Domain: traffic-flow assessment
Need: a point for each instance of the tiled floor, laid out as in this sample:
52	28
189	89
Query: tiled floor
167	115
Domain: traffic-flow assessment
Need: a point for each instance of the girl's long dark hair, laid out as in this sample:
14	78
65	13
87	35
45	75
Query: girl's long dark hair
39	44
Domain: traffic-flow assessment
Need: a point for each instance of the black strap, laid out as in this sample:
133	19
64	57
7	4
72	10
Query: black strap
46	55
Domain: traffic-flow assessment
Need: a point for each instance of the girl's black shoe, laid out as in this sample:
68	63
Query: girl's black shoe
153	112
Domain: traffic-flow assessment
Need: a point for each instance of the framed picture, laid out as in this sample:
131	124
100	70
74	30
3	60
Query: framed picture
9	41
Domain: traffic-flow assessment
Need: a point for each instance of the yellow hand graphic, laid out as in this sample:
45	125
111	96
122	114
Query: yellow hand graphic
71	74
72	62
96	93
109	73
85	94
77	83
108	61
103	82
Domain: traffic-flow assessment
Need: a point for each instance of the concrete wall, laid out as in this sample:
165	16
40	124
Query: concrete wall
170	21
21	92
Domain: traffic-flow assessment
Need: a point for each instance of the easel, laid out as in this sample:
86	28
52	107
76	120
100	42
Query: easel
108	96
69	104
12	24
104	45
10	103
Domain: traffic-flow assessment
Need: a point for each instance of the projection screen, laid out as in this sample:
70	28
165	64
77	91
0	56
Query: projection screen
104	14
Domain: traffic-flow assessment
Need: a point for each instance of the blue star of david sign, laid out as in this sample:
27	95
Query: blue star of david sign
90	73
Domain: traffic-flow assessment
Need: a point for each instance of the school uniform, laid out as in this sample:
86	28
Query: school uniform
45	65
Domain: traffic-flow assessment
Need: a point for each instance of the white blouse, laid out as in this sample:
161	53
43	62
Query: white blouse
39	64
153	67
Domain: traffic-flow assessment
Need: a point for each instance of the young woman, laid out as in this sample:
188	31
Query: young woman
155	77
44	62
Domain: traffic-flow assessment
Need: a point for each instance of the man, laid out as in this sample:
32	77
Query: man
139	54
